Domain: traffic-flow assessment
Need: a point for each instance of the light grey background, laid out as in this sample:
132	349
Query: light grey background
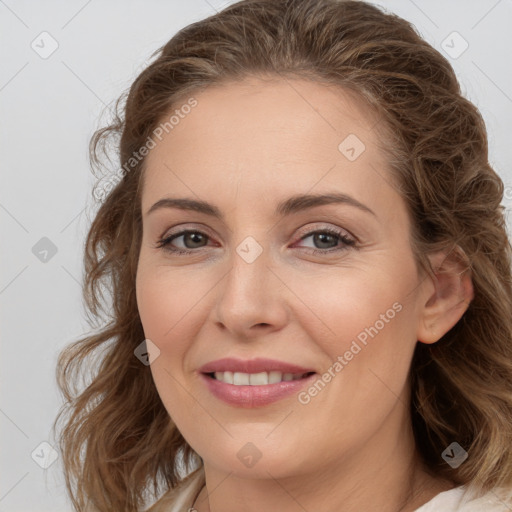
50	108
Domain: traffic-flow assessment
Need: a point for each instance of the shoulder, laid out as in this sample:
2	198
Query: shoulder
182	496
461	499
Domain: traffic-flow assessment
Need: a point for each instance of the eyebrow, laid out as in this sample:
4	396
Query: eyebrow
291	205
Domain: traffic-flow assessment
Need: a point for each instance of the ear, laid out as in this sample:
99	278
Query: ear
447	294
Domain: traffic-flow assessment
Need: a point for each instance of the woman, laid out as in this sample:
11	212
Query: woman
309	275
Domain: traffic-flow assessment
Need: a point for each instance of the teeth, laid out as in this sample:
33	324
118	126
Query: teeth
241	379
274	377
255	379
258	379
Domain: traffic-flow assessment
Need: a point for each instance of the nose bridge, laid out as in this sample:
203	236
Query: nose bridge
250	296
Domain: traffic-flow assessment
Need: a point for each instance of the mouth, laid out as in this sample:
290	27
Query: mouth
256	379
254	382
249	390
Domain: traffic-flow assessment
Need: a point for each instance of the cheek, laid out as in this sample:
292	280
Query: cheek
166	298
348	302
171	303
364	320
166	308
157	304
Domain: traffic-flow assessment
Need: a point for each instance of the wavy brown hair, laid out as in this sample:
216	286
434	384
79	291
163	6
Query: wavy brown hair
118	440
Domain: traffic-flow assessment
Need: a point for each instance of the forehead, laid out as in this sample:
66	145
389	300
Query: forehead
269	134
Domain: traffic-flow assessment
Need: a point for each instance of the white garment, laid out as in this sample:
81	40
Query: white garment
457	500
181	499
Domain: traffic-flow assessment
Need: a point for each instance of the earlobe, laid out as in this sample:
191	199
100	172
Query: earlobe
452	293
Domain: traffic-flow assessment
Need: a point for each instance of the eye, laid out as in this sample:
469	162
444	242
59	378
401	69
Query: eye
191	239
328	240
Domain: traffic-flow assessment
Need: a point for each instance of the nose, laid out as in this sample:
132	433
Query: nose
251	299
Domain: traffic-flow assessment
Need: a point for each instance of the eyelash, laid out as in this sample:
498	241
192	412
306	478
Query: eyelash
164	243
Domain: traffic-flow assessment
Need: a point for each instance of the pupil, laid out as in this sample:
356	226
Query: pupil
321	238
195	237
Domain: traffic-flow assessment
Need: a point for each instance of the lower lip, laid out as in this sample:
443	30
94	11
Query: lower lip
255	396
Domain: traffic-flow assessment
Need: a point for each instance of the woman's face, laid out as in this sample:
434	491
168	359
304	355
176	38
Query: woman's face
271	271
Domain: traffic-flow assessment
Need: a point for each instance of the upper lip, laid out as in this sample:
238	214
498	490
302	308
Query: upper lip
258	365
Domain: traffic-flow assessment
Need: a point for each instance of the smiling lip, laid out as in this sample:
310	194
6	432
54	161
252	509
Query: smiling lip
254	396
230	364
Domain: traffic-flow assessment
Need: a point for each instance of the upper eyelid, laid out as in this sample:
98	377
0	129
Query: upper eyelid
339	230
206	230
179	230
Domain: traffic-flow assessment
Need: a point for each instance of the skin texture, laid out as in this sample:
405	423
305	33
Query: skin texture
245	147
